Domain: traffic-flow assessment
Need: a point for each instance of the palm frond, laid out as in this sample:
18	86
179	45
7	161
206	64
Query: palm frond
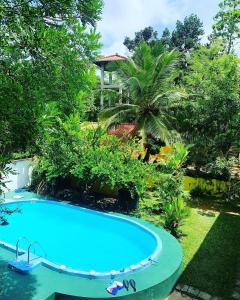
158	129
169	97
117	118
135	85
108	112
164	67
150	82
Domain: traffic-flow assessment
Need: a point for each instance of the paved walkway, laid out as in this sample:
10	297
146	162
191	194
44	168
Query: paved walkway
177	296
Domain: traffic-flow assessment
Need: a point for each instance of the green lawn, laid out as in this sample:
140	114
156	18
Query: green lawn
211	247
211	251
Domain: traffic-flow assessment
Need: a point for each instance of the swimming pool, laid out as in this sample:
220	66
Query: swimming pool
81	241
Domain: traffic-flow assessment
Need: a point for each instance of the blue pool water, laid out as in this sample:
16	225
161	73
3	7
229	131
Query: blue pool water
79	238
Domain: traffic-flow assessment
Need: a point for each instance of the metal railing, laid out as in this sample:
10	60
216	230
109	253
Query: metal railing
32	244
29	247
17	244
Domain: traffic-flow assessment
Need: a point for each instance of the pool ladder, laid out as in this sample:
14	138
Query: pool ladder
29	247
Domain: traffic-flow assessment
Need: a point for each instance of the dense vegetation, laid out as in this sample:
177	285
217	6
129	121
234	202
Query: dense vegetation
43	46
178	91
149	80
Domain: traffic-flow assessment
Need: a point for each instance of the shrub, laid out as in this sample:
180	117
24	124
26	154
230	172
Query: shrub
175	212
233	192
221	166
92	156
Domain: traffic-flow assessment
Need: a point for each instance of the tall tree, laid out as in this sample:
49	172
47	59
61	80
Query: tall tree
150	83
148	35
166	37
227	23
187	34
45	56
211	120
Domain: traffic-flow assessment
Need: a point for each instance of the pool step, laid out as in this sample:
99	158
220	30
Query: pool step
25	262
22	265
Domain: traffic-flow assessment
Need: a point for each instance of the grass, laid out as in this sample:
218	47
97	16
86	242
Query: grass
211	248
211	252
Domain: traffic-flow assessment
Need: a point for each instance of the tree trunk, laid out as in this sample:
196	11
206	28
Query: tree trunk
147	155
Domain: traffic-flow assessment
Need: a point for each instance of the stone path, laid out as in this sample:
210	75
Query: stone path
236	292
186	292
177	296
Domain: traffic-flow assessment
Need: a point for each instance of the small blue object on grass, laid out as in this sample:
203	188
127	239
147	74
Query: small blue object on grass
115	287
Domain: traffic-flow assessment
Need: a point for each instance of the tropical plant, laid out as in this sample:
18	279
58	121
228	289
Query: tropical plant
91	156
174	213
210	118
5	170
169	184
175	160
150	83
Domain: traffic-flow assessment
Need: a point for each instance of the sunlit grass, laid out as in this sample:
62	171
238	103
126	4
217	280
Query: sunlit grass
211	252
211	249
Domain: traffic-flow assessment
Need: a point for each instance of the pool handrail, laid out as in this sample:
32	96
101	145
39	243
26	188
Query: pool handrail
32	244
17	244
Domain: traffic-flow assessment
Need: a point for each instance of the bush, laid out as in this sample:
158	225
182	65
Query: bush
175	212
233	193
221	167
168	196
92	156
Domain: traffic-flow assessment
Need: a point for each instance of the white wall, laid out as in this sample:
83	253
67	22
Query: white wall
22	178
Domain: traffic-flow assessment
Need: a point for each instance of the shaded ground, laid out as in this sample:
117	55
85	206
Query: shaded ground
15	286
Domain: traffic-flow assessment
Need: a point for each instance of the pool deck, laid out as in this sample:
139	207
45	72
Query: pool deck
154	282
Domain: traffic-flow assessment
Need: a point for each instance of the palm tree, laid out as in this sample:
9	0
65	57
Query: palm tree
149	80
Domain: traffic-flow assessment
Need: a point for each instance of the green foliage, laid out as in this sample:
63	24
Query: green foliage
150	83
175	160
175	211
166	37
210	119
168	196
45	56
91	156
221	166
52	13
233	193
187	34
4	171
227	23
147	35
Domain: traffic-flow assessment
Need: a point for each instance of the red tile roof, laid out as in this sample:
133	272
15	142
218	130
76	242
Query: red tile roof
110	58
123	129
